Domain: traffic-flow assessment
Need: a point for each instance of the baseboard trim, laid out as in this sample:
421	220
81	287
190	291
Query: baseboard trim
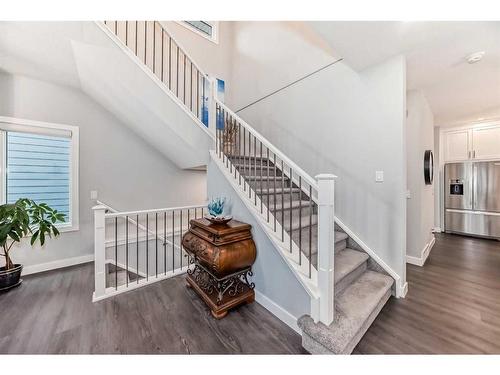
420	261
42	267
437	230
277	311
405	290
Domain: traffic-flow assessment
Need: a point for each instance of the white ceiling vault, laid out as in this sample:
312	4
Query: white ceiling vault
435	54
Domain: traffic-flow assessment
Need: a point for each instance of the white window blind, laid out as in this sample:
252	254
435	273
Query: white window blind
38	168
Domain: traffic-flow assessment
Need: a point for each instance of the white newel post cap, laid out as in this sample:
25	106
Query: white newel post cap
99	207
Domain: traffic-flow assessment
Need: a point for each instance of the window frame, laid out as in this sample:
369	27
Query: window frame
214	38
50	129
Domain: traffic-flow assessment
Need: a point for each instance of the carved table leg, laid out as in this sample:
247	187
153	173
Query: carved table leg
219	314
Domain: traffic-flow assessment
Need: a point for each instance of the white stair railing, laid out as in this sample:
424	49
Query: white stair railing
137	248
151	44
164	56
270	180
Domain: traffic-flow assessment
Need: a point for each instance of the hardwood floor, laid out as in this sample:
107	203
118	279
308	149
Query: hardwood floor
452	305
52	312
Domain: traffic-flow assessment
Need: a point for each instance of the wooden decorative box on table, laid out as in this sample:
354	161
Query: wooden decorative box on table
222	255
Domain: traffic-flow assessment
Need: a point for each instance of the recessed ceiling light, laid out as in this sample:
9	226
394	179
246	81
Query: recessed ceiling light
474	57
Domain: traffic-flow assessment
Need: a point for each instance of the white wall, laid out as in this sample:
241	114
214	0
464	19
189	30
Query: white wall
420	209
127	172
336	121
438	181
213	58
269	55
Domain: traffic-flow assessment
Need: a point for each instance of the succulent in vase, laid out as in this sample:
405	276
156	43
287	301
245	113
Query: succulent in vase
216	206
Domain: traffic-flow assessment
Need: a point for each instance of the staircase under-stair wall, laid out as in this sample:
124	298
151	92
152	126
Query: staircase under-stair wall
321	279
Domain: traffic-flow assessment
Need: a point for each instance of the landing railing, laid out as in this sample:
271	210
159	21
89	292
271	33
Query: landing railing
162	54
270	181
136	248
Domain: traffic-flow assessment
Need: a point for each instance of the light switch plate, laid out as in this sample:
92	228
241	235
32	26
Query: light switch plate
379	176
93	194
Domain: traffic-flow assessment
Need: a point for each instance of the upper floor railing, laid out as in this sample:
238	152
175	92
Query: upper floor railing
162	54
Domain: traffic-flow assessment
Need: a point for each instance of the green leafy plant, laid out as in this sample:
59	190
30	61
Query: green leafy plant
26	217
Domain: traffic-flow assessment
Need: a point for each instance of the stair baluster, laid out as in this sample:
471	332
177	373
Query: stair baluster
298	212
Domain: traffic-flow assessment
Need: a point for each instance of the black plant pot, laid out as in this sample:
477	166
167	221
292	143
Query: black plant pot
11	278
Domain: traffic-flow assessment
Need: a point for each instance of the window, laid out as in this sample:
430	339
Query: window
206	29
40	162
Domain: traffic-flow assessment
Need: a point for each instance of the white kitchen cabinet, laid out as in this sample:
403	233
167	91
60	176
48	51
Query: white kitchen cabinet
474	143
486	143
457	145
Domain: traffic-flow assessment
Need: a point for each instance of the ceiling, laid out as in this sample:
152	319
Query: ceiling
41	50
435	53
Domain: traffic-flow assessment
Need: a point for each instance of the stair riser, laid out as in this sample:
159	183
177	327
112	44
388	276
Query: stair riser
249	160
312	346
267	184
296	211
339	245
348	279
250	171
368	323
286	198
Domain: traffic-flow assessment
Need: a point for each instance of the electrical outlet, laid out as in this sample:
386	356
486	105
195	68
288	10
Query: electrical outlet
379	176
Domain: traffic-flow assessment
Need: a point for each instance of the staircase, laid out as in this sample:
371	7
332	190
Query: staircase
295	210
117	276
360	293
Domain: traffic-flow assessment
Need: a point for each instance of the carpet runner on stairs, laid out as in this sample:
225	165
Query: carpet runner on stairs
360	293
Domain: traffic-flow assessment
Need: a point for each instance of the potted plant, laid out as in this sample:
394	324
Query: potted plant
20	219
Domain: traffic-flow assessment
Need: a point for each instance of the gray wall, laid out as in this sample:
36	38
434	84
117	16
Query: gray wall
438	182
272	275
350	124
420	209
124	169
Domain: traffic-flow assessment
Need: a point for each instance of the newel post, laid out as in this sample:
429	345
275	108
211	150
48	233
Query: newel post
99	251
326	242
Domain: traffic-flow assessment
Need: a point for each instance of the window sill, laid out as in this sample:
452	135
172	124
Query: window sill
67	228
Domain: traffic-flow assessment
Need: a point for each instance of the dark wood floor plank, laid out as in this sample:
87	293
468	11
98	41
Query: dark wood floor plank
452	306
52	312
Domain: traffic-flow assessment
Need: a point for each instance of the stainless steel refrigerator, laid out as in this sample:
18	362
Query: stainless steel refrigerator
472	198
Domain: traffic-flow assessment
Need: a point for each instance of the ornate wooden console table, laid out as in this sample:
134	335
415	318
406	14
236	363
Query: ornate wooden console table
222	256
